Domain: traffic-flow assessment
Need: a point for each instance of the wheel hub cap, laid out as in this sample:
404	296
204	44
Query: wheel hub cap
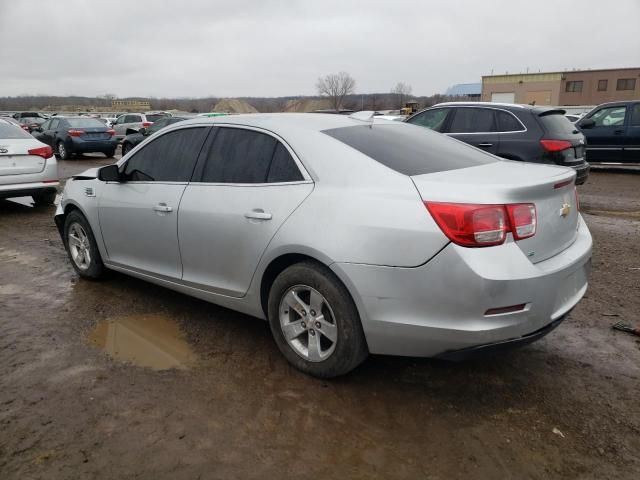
79	246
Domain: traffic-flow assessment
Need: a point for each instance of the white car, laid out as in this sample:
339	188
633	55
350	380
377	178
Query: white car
132	122
27	167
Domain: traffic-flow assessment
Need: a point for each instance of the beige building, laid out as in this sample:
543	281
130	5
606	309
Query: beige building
130	105
580	87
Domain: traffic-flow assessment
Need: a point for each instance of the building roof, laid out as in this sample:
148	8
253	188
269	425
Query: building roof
563	72
465	89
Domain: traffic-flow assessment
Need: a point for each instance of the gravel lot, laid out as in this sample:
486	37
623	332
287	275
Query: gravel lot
564	407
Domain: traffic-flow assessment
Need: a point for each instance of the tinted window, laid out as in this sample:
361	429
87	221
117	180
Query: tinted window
239	156
557	124
410	150
132	119
508	123
84	123
472	120
10	131
609	117
155	117
635	115
433	119
169	158
283	167
54	124
46	125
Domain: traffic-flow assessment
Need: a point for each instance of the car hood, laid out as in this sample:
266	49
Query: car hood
89	174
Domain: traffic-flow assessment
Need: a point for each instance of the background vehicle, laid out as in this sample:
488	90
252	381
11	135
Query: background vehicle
340	233
132	122
134	139
30	123
27	166
20	115
515	132
15	122
613	133
69	135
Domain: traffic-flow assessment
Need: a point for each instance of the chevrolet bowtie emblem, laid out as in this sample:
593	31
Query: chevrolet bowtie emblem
565	210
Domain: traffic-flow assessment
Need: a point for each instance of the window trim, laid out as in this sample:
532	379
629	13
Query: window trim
489	133
305	174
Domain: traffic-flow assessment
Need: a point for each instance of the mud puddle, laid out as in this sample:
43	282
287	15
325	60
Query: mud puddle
153	341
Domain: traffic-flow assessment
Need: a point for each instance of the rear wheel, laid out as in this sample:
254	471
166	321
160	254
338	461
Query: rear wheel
314	321
44	198
110	153
63	153
81	246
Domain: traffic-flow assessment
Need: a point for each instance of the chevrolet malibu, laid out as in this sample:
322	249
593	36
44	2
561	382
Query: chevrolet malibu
349	236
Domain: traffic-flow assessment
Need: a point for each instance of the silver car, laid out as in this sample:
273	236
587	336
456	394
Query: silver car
27	167
350	237
129	123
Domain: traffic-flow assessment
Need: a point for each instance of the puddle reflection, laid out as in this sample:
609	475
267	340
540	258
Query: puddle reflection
153	341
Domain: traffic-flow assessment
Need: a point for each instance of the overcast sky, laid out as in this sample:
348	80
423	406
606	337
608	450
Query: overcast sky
194	48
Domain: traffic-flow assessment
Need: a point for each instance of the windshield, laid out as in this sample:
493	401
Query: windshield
32	120
558	124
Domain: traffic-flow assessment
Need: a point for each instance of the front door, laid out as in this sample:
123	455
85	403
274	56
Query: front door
139	215
248	186
605	139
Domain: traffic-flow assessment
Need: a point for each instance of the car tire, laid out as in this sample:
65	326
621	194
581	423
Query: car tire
110	153
126	147
331	341
44	198
62	151
81	247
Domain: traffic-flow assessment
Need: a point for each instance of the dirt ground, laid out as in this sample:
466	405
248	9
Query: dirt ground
567	406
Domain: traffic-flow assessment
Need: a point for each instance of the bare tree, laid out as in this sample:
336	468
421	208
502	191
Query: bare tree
403	91
336	86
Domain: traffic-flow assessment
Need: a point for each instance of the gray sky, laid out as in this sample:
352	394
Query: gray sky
194	48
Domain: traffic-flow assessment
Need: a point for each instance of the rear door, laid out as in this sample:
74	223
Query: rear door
605	139
246	187
475	126
632	140
139	216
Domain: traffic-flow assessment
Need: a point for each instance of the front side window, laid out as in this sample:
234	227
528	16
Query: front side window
246	156
609	117
602	85
473	120
574	86
168	158
626	84
433	119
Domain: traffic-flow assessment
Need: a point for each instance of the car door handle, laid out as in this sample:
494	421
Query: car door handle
485	144
258	214
163	207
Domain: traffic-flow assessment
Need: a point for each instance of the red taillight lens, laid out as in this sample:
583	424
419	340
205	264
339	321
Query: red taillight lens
555	145
75	133
111	132
523	220
147	124
44	152
471	225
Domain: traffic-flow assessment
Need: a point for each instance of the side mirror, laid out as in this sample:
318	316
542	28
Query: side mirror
110	173
586	123
142	131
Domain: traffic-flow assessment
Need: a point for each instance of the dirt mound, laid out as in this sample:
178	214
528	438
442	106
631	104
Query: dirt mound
306	105
233	105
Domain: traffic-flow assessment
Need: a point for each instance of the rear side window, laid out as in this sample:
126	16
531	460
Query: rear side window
635	115
10	131
473	120
168	158
246	156
132	119
433	119
155	117
557	124
508	123
410	150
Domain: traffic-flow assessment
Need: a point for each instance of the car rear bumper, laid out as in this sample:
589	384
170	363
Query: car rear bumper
441	306
27	189
77	145
582	173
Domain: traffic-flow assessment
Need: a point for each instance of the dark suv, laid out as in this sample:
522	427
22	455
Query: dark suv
514	132
613	133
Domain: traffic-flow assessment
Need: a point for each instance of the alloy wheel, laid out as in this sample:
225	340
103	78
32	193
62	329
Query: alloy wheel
79	246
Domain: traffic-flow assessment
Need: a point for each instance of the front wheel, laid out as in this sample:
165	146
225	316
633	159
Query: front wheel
314	321
81	246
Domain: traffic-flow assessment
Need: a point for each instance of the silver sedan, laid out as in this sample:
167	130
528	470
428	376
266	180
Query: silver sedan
350	236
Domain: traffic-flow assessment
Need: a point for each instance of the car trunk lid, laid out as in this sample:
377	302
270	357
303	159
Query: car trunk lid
16	160
550	189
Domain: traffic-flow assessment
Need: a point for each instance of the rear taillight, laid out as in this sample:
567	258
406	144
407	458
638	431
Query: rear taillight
472	225
147	124
75	133
555	145
25	127
44	152
111	132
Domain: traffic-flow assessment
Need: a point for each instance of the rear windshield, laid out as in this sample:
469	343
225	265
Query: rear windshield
410	150
557	124
84	122
9	131
155	117
37	120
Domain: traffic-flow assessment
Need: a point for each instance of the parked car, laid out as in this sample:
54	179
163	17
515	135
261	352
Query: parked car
349	237
70	135
613	133
20	115
134	139
133	122
27	166
31	123
15	122
515	132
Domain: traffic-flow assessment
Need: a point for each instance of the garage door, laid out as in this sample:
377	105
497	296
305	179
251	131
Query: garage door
508	97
